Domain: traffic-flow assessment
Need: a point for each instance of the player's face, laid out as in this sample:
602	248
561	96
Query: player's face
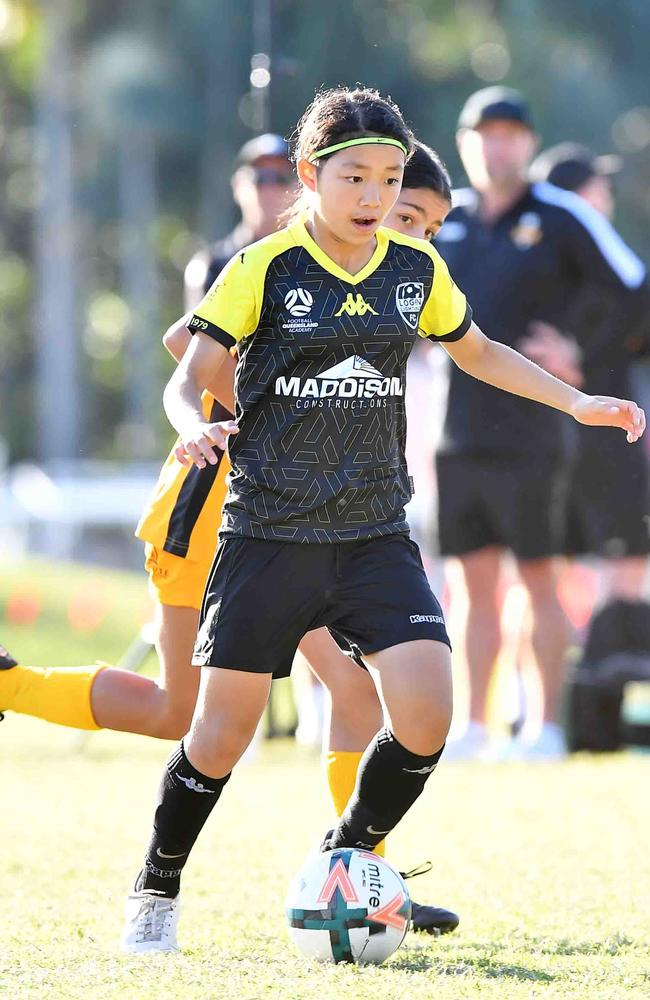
418	212
356	189
496	153
264	191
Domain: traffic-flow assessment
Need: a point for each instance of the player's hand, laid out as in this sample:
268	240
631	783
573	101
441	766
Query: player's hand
549	349
198	446
607	411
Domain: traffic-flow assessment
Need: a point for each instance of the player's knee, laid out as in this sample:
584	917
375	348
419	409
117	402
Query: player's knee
218	745
427	728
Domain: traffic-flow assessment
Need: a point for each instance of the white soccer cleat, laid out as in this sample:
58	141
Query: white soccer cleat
150	923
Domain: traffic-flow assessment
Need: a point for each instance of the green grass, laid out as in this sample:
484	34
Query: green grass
548	866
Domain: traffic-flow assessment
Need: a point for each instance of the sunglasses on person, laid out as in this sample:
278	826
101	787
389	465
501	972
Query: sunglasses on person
266	176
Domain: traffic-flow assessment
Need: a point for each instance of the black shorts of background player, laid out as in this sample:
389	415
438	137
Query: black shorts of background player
325	315
521	252
603	322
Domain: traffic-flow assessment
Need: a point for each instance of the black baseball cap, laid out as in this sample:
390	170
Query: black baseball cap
495	104
570	165
255	149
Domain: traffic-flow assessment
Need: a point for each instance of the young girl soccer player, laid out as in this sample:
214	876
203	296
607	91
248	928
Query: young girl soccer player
324	315
179	528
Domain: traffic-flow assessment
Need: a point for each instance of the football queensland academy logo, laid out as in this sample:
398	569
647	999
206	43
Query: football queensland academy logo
299	301
409	298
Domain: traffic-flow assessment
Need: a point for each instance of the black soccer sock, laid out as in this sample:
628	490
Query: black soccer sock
389	780
185	800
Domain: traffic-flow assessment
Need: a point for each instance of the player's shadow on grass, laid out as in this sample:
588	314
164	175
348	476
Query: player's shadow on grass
488	966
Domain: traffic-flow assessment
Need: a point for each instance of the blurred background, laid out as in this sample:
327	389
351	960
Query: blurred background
118	130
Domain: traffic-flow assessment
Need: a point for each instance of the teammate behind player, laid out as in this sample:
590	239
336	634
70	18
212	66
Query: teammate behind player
314	531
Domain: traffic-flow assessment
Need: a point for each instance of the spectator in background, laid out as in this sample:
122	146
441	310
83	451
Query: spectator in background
521	253
603	337
264	187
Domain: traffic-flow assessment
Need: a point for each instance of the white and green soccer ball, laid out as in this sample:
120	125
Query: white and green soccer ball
348	906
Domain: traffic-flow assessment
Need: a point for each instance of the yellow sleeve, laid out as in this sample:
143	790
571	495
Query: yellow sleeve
446	314
230	310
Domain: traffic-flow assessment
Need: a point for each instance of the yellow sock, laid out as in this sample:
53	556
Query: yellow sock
56	694
342	767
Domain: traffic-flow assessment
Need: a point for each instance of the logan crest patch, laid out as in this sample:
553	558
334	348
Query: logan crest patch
409	298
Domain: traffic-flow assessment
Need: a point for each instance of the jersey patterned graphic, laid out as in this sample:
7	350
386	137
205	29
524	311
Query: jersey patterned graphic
320	382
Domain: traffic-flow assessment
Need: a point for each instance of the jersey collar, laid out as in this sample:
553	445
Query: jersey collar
302	237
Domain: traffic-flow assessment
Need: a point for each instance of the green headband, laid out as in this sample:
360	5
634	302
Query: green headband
378	140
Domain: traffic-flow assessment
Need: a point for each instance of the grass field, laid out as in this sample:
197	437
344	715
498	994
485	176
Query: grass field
548	865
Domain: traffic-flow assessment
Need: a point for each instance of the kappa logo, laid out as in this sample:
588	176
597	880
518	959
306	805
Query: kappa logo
409	298
416	619
194	785
299	301
355	306
353	378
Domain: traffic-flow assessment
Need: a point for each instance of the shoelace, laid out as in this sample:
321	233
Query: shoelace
152	916
422	869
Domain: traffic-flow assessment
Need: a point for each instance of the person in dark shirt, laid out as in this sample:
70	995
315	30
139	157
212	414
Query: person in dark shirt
521	253
263	187
603	338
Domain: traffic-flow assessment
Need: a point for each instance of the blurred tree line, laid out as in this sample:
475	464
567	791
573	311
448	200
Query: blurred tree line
118	131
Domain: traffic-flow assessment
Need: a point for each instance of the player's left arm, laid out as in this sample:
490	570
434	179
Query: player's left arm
506	369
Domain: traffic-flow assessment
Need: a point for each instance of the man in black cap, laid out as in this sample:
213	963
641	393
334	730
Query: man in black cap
601	346
263	187
520	252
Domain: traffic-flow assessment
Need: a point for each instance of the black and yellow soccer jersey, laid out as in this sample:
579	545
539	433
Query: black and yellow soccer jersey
320	381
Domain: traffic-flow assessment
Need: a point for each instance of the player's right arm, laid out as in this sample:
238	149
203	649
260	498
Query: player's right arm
198	368
228	312
177	340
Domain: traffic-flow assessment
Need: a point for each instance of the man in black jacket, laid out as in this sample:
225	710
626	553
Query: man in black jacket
521	253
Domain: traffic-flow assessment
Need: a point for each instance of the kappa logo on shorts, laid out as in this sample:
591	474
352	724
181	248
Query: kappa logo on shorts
436	619
409	298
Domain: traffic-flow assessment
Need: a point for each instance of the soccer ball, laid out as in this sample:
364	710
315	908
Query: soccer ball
348	906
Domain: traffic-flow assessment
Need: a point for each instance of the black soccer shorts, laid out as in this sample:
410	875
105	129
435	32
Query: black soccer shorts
263	596
508	501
